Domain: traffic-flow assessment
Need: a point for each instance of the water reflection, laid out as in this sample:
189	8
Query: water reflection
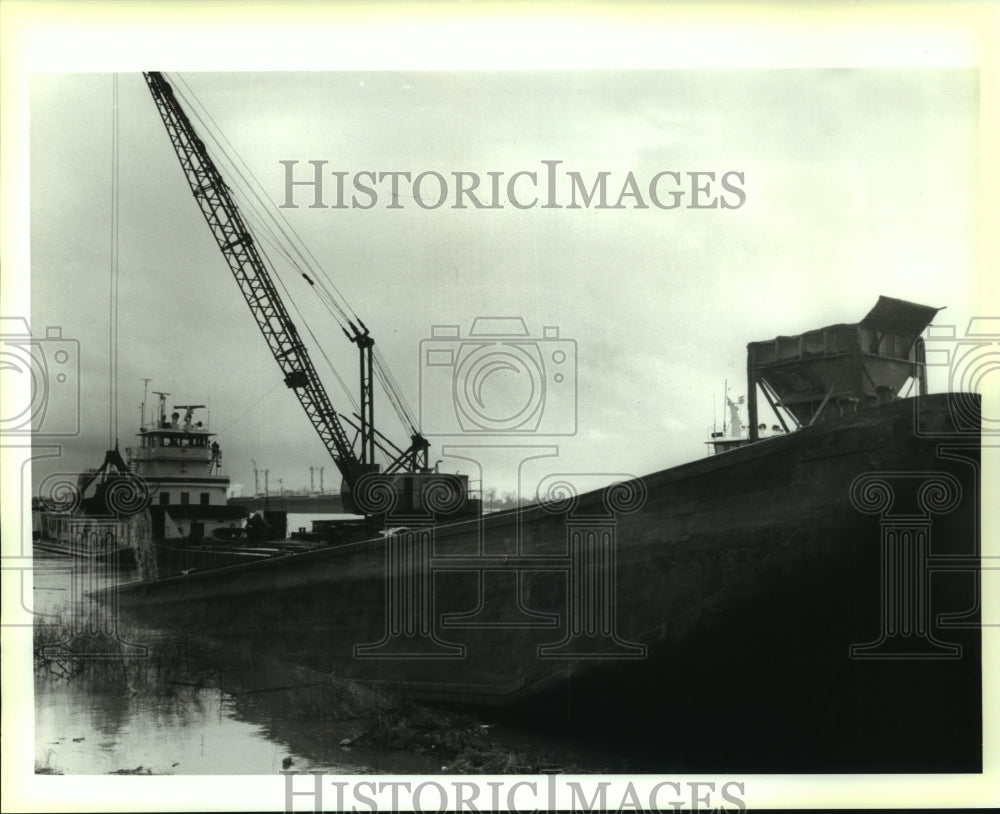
80	730
166	713
191	706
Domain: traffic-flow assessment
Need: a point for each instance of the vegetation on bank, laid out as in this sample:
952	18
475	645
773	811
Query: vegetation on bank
111	655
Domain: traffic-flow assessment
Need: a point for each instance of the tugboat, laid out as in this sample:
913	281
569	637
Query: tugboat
192	525
732	436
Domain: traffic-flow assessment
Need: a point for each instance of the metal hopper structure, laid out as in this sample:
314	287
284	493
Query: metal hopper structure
839	369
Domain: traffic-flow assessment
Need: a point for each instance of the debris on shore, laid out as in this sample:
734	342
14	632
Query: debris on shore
137	770
459	742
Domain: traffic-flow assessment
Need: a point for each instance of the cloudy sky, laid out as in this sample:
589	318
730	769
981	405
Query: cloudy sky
857	182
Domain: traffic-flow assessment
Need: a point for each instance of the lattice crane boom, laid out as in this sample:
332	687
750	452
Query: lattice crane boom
237	245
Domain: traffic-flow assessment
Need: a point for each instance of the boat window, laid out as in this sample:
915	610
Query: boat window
185	498
164	498
166	440
204	498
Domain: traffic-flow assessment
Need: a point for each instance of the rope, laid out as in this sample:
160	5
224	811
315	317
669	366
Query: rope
251	407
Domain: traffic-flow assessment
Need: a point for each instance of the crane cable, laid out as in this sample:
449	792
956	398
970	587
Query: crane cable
113	300
260	211
252	212
260	204
254	196
395	393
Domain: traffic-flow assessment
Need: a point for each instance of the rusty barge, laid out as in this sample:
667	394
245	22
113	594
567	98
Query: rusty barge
821	584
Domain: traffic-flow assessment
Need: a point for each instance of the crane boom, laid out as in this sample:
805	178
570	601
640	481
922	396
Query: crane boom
238	247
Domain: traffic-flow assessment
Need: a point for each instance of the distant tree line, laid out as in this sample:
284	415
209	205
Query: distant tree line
493	501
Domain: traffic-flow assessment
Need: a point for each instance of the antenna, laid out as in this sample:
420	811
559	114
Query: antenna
189	410
142	407
725	399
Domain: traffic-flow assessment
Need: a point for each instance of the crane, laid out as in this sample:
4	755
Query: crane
238	247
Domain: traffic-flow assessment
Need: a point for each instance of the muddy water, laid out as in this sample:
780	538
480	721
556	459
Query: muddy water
167	704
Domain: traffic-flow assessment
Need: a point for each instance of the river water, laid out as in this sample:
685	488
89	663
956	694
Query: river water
196	708
92	724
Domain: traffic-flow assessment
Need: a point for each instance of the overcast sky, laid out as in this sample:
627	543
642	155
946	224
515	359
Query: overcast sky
857	183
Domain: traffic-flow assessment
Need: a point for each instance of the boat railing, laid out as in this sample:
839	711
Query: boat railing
474	490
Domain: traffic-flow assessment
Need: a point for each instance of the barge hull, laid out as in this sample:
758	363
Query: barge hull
804	566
